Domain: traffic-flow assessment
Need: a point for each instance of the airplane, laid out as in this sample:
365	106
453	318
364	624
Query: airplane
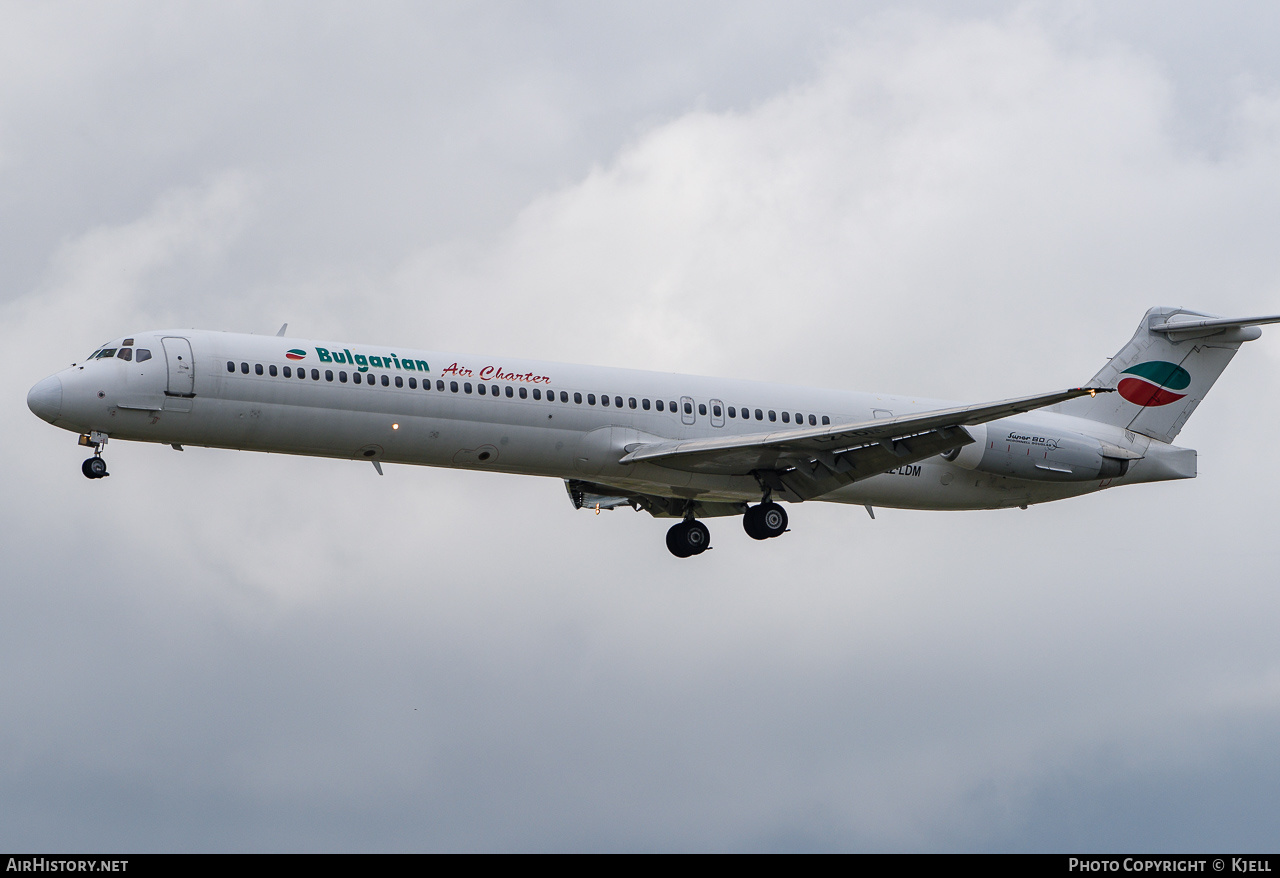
675	446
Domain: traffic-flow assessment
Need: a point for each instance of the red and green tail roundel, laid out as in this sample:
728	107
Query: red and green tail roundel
1154	383
295	354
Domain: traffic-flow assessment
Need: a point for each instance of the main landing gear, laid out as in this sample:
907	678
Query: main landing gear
765	521
689	537
761	522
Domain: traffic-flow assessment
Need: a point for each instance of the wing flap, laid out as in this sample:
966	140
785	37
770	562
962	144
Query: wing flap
822	472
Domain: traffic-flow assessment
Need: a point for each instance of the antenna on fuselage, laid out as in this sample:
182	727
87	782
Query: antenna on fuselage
283	327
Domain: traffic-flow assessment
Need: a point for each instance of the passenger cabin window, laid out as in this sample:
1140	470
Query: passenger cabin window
385	382
577	397
773	416
659	404
644	404
399	381
231	367
537	394
813	422
328	374
257	368
413	383
271	368
604	399
759	415
702	408
825	420
617	401
481	390
493	388
315	374
733	413
631	402
688	408
524	393
288	373
591	399
244	367
302	373
672	403
126	354
143	355
453	386
510	390
564	396
466	387
715	410
786	417
342	377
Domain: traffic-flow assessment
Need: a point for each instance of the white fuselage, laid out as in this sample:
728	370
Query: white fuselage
227	390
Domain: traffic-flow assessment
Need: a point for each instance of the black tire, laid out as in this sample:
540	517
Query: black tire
688	538
94	468
773	520
676	543
751	524
698	537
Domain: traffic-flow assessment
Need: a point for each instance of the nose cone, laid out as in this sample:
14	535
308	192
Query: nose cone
45	399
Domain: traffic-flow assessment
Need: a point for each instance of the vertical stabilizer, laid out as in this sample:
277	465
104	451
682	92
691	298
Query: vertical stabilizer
1165	370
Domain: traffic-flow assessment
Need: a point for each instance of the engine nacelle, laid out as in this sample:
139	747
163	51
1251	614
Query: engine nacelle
1031	452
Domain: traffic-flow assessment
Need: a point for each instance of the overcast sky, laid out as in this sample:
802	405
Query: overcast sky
224	651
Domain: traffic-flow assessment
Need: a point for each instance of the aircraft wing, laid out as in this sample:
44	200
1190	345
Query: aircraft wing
812	461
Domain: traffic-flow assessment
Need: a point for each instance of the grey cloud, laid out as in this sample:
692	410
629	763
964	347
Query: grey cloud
223	651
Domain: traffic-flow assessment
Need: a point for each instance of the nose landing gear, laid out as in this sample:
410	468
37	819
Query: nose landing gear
95	467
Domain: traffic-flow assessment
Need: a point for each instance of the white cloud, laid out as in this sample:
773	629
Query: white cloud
936	188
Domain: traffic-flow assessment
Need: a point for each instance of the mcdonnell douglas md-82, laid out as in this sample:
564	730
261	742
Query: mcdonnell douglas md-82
676	446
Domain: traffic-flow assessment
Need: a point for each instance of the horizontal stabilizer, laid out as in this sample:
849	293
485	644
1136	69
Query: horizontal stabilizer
1189	327
1215	322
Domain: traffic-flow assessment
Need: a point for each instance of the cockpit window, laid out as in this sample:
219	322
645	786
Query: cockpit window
143	355
125	354
105	353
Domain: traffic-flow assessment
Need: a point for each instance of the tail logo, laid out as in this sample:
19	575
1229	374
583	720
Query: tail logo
1154	383
295	354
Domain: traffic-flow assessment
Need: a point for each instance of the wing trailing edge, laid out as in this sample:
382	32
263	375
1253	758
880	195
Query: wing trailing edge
807	463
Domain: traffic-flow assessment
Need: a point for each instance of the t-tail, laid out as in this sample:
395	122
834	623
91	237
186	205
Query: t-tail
1165	370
